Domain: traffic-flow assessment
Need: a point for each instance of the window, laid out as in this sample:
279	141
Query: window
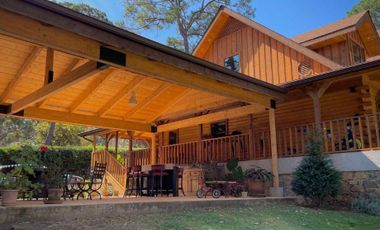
219	129
232	63
357	53
173	137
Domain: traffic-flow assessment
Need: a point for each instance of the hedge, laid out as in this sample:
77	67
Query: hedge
75	159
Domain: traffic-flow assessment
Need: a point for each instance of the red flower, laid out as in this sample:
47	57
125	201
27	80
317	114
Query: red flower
44	148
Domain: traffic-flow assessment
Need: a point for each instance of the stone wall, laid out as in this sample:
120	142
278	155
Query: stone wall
353	184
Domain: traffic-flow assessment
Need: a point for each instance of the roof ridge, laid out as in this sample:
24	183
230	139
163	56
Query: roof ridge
349	21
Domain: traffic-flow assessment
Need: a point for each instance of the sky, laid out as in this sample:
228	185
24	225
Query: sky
287	17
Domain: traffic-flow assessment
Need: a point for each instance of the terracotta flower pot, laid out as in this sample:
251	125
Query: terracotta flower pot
244	194
256	187
9	197
54	196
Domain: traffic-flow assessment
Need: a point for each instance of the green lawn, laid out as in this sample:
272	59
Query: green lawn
268	217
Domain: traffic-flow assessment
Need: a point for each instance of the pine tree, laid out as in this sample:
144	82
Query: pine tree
315	178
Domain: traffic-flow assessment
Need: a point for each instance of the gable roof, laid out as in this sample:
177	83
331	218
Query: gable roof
222	17
344	24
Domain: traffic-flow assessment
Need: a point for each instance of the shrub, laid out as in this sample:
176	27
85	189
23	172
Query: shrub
315	178
236	172
367	204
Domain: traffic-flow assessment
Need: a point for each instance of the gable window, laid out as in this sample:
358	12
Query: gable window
233	63
357	53
219	129
173	137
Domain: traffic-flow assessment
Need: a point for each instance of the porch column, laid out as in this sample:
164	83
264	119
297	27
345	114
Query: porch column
116	143
93	150
273	145
316	92
153	150
130	146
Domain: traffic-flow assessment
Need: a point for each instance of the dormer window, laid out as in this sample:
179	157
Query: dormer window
233	63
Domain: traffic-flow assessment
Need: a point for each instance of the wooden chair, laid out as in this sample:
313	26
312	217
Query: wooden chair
94	183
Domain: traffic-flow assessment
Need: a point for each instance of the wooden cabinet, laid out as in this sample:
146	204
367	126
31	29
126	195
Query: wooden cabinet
193	179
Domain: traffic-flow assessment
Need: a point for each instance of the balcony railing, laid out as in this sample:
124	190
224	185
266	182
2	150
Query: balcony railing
339	135
216	149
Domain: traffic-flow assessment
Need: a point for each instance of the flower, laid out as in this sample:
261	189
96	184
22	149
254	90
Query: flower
44	148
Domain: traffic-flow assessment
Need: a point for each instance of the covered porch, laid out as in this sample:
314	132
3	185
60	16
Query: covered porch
98	75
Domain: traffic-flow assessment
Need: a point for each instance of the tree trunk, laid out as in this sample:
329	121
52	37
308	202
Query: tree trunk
50	134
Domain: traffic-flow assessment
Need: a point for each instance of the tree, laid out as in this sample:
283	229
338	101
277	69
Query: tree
372	5
316	178
191	18
86	10
15	130
63	134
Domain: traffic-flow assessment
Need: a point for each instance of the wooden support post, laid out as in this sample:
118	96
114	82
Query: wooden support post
251	149
153	150
116	143
316	92
93	150
130	146
273	144
106	142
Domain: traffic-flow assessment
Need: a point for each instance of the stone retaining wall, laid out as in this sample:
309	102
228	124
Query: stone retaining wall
353	184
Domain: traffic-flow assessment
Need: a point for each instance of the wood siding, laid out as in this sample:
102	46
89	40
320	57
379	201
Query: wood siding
261	56
342	52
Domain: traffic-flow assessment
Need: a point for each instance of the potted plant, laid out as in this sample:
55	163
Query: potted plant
255	179
17	178
53	175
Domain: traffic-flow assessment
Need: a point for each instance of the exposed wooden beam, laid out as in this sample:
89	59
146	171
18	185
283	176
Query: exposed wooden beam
147	100
171	103
49	69
212	117
72	118
126	90
141	58
81	73
68	69
24	68
91	88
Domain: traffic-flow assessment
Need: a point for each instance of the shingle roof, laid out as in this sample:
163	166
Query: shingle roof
329	29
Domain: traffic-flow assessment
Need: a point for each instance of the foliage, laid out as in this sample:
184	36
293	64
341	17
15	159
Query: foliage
63	134
190	18
53	168
315	178
14	130
372	5
86	10
259	174
236	172
18	178
367	204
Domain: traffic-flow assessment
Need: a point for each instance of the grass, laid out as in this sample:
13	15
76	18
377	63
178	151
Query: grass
267	217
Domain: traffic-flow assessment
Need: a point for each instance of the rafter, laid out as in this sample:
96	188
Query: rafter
91	88
49	63
170	104
148	99
81	73
68	69
120	95
24	68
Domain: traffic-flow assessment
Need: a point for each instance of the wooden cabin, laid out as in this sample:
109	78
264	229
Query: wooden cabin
245	92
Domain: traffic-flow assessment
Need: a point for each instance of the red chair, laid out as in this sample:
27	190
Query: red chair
135	175
157	172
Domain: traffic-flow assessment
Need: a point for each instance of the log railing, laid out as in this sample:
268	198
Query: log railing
339	135
114	167
216	149
139	157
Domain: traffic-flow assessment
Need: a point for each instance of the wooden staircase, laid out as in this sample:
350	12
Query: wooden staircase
115	173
